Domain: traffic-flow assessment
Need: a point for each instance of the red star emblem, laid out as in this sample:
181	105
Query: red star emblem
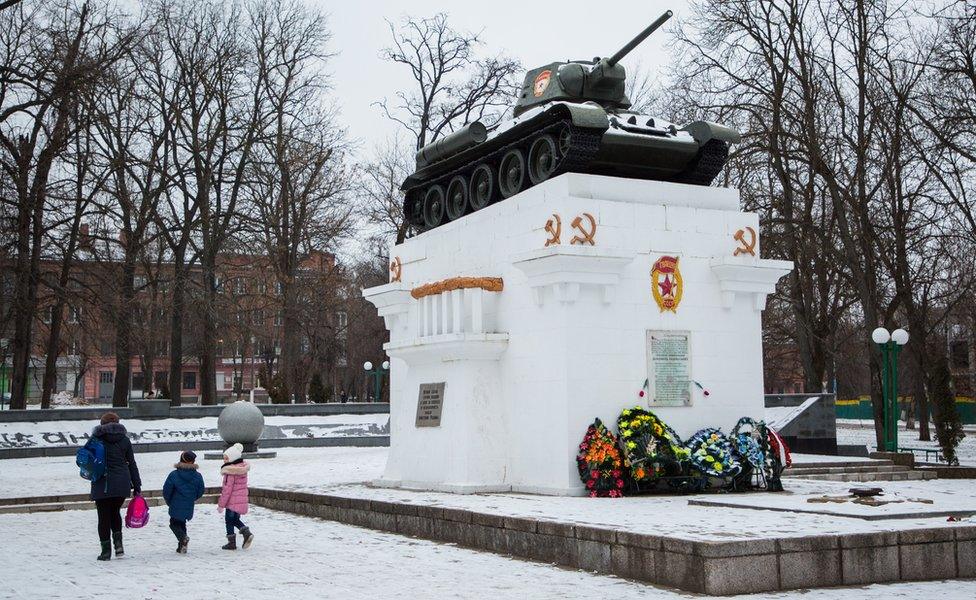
667	286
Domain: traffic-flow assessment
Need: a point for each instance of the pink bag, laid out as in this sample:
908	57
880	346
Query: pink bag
137	514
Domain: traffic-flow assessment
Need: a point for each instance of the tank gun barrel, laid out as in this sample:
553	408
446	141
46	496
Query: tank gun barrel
618	56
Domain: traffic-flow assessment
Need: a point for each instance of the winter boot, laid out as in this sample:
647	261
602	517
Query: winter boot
117	540
183	544
106	550
231	543
248	538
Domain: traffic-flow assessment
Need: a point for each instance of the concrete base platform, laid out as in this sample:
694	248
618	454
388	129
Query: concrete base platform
716	567
915	514
453	488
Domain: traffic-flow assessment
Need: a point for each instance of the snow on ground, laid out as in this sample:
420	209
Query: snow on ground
672	516
299	557
861	432
295	468
344	471
22	434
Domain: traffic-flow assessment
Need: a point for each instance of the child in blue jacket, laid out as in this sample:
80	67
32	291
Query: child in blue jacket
182	489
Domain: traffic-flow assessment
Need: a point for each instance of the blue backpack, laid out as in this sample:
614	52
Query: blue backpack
90	459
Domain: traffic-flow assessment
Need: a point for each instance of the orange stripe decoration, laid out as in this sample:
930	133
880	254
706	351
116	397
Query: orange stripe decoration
489	284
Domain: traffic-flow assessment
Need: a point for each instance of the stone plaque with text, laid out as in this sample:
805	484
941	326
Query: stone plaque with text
669	368
429	404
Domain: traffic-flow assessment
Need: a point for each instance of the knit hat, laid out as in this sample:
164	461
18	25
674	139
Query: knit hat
188	457
110	417
234	452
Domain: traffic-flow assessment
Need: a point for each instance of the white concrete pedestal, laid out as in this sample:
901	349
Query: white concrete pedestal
527	368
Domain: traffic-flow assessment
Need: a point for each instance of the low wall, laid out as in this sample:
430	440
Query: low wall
93	413
815	430
710	567
361	441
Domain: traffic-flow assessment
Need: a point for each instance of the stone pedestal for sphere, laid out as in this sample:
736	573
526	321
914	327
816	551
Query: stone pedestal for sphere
241	423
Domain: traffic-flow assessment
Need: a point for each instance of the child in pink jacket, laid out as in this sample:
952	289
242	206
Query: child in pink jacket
233	496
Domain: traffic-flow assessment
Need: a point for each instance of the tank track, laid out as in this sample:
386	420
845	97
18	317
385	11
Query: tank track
584	144
707	165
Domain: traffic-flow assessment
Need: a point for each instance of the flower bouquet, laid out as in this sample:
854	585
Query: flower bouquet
599	462
750	445
651	448
711	453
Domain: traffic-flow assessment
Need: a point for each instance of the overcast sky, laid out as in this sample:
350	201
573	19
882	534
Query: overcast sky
535	32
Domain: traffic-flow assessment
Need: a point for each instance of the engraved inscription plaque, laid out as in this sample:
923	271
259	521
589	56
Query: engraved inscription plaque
668	368
429	404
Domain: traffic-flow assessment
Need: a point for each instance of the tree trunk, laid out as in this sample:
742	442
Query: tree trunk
54	339
123	334
25	293
53	351
208	346
177	306
290	346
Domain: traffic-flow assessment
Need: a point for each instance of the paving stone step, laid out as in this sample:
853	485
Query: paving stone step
37	507
864	477
803	470
851	463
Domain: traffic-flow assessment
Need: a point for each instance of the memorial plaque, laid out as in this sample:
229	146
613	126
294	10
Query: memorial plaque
669	368
429	404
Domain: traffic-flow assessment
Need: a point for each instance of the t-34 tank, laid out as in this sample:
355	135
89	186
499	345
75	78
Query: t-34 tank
570	117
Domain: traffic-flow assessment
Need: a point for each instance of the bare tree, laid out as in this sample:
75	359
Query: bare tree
85	186
452	86
378	189
299	180
48	57
218	118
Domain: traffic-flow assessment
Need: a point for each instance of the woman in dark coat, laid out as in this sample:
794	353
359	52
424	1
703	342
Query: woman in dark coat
111	490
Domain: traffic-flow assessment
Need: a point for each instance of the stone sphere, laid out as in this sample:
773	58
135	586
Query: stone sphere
241	422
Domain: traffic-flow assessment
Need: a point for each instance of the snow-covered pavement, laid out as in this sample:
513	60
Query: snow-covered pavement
344	471
298	557
300	469
861	432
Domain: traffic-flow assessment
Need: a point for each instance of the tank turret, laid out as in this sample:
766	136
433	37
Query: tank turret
600	80
570	117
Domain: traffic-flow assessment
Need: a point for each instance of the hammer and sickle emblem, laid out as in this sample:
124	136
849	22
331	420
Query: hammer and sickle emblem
587	237
746	247
554	227
396	269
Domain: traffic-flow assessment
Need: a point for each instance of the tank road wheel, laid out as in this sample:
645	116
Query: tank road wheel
542	159
511	173
565	140
434	207
457	197
482	187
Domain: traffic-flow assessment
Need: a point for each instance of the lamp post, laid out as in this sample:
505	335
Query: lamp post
889	343
377	374
3	380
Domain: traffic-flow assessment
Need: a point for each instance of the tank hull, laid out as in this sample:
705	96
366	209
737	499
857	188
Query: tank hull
591	140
